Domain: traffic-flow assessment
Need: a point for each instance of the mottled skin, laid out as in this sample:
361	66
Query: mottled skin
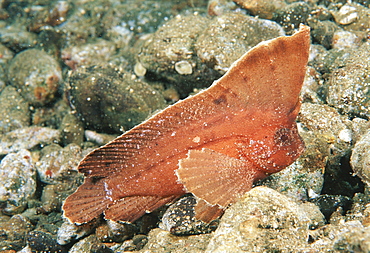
214	144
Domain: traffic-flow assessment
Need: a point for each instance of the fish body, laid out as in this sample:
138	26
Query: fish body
214	144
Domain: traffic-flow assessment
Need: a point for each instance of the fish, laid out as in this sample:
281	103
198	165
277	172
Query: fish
214	144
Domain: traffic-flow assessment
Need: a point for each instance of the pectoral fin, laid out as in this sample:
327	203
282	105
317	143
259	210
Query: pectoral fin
215	178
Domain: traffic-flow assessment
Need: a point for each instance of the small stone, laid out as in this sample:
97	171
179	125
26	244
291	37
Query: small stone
88	245
72	130
112	231
261	8
13	232
183	68
69	232
15	113
56	163
98	138
36	74
360	158
17	181
348	85
179	218
139	69
346	15
108	101
92	53
27	138
40	241
263	220
345	39
163	241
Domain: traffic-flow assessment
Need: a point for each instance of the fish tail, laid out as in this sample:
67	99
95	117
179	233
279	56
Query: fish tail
88	202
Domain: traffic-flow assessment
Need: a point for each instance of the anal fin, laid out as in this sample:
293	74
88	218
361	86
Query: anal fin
206	212
131	208
88	202
214	177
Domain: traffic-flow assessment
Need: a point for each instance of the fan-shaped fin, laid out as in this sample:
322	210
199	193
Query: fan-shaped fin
214	177
88	202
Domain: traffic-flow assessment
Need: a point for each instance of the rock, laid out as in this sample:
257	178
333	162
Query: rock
264	220
56	163
15	113
88	54
323	31
69	232
6	56
292	15
72	130
144	17
360	158
192	51
36	74
348	86
98	138
345	39
112	231
27	138
109	102
353	17
17	181
163	241
263	9
173	44
13	232
350	236
40	241
179	218
16	37
229	36
88	245
329	138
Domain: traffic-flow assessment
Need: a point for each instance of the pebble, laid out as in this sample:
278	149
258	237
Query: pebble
40	241
345	39
228	37
56	163
88	245
69	232
262	8
107	101
92	53
36	74
27	138
262	220
17	181
353	17
348	85
15	111
112	231
72	130
172	43
13	232
360	158
179	218
163	241
17	38
292	15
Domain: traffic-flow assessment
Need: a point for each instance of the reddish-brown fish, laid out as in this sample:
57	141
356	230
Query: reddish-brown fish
214	144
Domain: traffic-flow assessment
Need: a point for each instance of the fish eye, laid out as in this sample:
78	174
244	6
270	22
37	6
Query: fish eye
283	136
